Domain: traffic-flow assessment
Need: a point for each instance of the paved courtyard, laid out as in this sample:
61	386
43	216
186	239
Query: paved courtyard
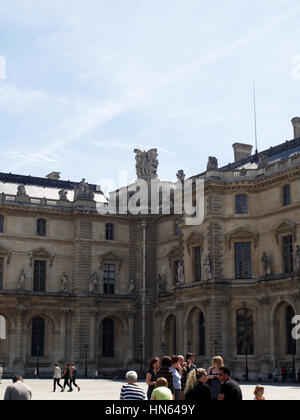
109	390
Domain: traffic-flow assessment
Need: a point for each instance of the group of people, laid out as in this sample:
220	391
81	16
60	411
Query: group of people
176	378
69	376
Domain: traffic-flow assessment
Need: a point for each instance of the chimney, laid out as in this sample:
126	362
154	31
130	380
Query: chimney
296	125
54	175
241	151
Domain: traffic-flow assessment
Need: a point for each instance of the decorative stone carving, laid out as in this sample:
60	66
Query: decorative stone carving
64	283
63	195
297	258
21	191
262	161
132	287
212	164
161	284
180	176
82	191
93	287
146	163
180	273
22	280
207	269
266	262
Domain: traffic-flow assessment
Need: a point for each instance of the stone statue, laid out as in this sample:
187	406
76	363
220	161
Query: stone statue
82	191
298	258
181	176
131	289
207	268
262	161
212	164
266	264
64	283
22	280
93	288
21	191
63	195
180	273
146	163
161	284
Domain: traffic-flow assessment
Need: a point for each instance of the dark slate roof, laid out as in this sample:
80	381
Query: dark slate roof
42	182
282	151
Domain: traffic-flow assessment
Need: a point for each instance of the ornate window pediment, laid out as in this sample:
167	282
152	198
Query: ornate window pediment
242	233
286	227
5	252
110	256
41	253
195	239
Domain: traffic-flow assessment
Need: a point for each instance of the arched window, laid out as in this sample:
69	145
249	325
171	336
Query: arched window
245	338
291	343
241	204
108	338
201	334
41	227
38	337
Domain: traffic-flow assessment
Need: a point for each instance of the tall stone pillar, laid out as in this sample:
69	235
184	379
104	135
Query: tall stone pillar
180	328
19	360
63	335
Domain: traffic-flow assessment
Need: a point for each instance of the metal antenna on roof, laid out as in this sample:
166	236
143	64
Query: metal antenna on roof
255	118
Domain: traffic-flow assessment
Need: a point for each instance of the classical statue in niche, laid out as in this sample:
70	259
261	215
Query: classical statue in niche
266	262
132	287
22	280
207	268
146	163
93	287
64	283
180	273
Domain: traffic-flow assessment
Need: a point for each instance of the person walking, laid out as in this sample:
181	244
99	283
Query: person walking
1	373
66	376
131	391
284	374
196	387
151	377
18	391
165	372
73	375
161	391
56	377
213	376
176	371
230	389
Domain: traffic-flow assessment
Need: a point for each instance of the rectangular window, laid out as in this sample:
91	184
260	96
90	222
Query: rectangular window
243	266
197	264
41	227
288	254
109	279
1	224
286	195
176	266
241	204
110	232
39	278
1	272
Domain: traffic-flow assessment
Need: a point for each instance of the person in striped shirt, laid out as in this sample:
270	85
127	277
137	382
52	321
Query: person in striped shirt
131	391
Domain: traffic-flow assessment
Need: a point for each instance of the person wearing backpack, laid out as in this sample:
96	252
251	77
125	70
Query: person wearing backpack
74	373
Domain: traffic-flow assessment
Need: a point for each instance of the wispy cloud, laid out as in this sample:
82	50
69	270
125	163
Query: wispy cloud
30	157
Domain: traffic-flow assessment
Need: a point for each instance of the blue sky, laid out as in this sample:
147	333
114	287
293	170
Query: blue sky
87	82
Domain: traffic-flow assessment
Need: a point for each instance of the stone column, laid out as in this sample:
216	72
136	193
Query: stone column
63	335
180	329
93	314
130	355
19	360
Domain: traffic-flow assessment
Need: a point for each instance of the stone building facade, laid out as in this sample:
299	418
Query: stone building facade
108	291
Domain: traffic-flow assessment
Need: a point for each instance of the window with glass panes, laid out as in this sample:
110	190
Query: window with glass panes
41	227
110	232
243	266
109	279
197	264
1	223
176	266
1	272
287	195
39	277
241	204
288	254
